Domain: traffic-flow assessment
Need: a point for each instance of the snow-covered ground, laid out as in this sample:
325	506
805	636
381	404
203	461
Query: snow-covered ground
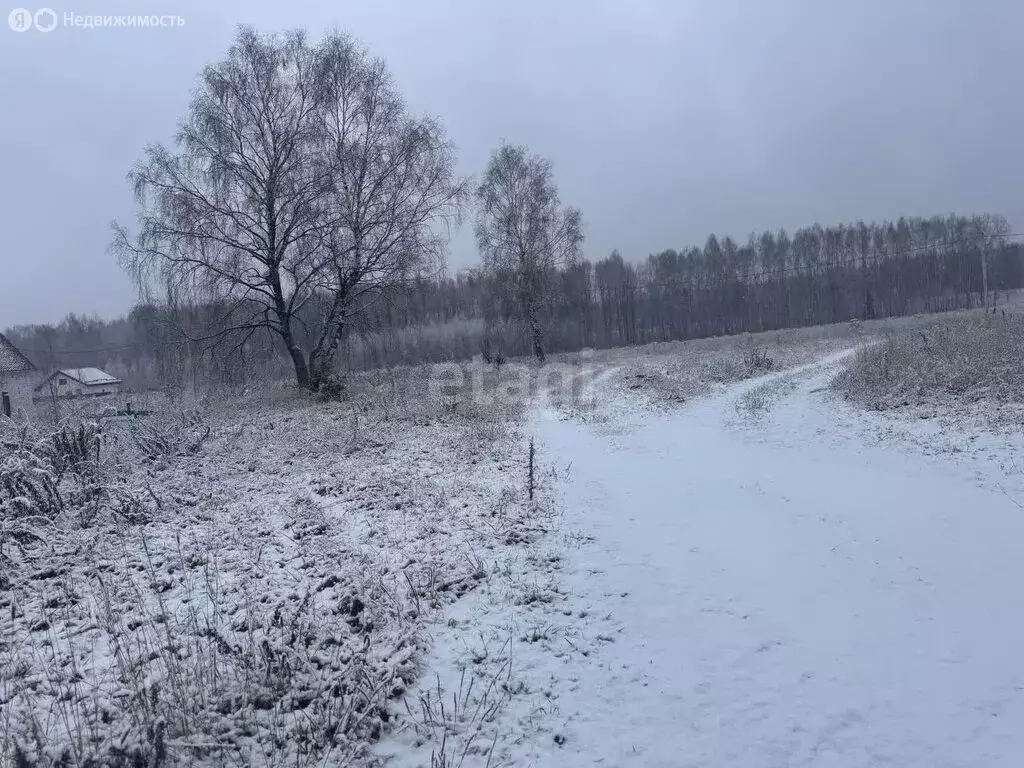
791	586
752	573
763	577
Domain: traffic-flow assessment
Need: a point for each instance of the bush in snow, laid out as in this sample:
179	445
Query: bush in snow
169	435
757	359
29	499
59	474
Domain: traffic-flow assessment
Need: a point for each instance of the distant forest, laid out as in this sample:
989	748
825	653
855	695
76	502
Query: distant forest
774	280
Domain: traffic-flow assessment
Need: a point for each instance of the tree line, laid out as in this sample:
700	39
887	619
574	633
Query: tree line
774	280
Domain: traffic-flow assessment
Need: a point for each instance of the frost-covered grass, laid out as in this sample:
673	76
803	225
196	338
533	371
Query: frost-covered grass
266	600
952	361
759	400
672	373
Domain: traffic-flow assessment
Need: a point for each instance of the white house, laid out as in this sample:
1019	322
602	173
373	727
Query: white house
17	377
78	382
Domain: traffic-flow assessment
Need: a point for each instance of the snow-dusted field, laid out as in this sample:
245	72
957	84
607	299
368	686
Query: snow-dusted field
265	593
719	566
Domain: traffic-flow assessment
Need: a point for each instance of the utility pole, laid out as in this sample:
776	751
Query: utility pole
991	229
984	271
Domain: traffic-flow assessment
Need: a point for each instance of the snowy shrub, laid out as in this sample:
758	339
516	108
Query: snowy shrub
455	724
754	402
279	683
170	436
28	486
757	359
758	401
73	450
59	474
30	496
331	388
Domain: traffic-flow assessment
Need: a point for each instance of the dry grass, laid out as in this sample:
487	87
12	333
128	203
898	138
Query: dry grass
675	372
757	402
960	359
669	374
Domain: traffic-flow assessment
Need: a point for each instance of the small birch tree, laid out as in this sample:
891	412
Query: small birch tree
524	232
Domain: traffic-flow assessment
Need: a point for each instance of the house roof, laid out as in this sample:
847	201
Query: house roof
11	358
90	377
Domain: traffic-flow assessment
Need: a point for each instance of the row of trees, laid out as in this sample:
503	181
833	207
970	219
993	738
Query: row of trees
774	280
817	275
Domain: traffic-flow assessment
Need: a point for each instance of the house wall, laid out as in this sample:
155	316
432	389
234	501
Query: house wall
65	386
19	386
58	386
102	389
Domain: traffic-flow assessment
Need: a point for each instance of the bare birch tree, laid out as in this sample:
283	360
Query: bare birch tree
394	191
524	232
265	208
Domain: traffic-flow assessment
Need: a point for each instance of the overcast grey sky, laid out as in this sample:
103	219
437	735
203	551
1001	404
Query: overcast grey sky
666	119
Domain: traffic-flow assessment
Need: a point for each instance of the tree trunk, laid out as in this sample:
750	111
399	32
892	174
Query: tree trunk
529	298
536	336
324	362
538	347
301	368
284	323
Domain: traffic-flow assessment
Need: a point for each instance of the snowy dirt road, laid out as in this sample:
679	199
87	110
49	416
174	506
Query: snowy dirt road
784	589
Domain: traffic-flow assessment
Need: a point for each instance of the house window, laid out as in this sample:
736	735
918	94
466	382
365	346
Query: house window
62	382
